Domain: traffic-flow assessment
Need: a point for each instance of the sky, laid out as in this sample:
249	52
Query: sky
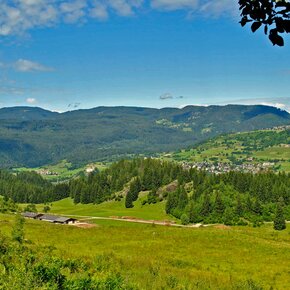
65	55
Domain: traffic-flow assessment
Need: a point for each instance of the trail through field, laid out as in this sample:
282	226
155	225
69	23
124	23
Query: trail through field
136	220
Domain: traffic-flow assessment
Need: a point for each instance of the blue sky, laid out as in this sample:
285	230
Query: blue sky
64	55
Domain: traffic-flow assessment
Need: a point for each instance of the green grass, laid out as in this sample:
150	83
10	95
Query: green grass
110	208
156	257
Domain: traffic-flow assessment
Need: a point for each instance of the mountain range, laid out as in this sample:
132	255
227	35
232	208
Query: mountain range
32	136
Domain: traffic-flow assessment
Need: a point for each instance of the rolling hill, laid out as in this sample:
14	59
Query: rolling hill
33	136
256	147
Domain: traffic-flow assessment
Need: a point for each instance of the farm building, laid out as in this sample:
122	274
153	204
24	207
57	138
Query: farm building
65	220
56	219
31	215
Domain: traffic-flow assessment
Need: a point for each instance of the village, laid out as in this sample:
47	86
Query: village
221	167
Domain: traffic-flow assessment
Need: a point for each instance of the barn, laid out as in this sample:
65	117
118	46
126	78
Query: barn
32	215
57	219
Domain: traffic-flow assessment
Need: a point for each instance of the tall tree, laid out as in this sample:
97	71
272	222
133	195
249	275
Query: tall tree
279	221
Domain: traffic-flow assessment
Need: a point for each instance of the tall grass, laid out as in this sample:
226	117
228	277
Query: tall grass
155	257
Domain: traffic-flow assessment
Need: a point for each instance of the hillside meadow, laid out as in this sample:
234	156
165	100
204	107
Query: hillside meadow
247	147
158	257
110	208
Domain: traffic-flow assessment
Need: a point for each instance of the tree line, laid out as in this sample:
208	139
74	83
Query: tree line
30	187
195	196
230	198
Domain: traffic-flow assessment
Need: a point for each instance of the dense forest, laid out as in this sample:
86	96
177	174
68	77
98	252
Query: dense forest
194	196
190	195
99	134
30	187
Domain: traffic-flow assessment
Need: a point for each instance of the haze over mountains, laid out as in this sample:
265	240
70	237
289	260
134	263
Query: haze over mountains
31	136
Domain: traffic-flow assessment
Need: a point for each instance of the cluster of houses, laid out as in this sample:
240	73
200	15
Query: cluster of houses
46	172
221	167
49	218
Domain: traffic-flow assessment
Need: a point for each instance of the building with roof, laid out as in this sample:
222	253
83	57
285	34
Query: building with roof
56	219
49	218
65	220
32	215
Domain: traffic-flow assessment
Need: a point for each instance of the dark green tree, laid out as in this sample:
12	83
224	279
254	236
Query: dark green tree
183	198
171	203
239	206
279	220
206	206
228	217
129	200
219	206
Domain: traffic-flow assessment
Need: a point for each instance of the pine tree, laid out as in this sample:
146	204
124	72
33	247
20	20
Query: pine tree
206	206
228	217
239	206
129	200
182	199
219	206
171	203
257	208
279	220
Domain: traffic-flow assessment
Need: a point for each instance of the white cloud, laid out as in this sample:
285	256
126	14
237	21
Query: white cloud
73	11
24	65
277	105
174	4
31	100
99	11
20	16
205	7
280	103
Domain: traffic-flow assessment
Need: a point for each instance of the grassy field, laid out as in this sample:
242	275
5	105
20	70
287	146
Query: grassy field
156	257
110	208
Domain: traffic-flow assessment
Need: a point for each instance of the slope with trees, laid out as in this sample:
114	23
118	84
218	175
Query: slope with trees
99	134
230	198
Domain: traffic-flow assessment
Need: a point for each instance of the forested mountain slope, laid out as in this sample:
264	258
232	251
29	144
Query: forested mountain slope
33	136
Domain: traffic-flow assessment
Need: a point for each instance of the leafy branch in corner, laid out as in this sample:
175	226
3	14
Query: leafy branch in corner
273	15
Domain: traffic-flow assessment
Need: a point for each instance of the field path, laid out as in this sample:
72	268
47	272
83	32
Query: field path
136	220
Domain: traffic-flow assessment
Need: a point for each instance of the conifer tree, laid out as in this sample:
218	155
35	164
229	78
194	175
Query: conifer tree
129	200
171	203
279	220
183	198
239	206
206	206
219	206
